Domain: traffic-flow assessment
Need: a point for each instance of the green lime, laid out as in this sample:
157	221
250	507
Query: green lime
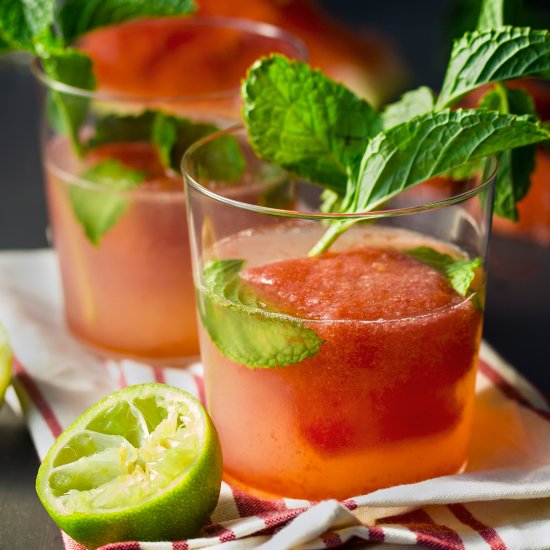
144	463
5	362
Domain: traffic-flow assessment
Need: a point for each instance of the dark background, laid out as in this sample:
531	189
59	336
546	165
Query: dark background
517	322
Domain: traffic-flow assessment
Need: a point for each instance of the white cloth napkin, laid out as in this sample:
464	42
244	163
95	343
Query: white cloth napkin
501	501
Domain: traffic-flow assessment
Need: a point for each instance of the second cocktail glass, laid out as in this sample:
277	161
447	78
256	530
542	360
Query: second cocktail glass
117	208
334	375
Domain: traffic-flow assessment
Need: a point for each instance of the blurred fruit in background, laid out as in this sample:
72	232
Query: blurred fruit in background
363	61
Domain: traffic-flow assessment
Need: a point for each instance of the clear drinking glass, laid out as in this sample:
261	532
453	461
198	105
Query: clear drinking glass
124	250
388	395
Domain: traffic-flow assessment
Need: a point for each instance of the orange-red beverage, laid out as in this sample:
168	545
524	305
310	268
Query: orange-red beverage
388	399
121	235
332	375
132	294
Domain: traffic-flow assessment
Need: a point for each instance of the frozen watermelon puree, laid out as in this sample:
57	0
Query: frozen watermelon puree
387	399
367	283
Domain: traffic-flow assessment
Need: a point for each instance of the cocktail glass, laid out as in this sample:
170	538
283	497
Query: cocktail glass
127	281
388	397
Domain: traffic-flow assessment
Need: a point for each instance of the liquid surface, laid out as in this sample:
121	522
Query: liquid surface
362	284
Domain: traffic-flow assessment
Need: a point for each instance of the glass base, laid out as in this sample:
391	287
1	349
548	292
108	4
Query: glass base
234	482
154	361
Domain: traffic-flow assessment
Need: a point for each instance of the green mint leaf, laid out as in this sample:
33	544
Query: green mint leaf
491	14
465	171
331	201
460	273
482	57
435	143
301	120
232	315
124	128
98	209
77	17
68	111
5	46
427	146
171	135
164	135
411	104
23	21
220	160
514	167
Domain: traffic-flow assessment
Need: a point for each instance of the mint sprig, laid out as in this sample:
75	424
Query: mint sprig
39	27
114	128
460	273
303	121
414	103
485	56
241	326
222	159
426	146
412	139
97	210
514	166
23	23
68	112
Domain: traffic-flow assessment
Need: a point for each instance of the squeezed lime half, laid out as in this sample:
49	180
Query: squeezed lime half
144	463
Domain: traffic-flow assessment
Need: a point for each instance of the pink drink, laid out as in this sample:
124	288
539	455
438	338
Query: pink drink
388	399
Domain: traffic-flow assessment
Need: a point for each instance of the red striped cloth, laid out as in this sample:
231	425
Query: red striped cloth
501	501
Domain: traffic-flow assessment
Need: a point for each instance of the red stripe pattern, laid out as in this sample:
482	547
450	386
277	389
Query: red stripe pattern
488	534
37	398
274	514
508	390
158	373
428	533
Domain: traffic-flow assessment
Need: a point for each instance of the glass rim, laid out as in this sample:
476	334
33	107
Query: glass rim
485	182
249	26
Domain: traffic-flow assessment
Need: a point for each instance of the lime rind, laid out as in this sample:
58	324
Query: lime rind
6	357
100	487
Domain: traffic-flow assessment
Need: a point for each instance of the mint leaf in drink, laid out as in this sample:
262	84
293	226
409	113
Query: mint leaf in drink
99	206
459	272
411	104
220	160
122	128
242	328
22	22
514	166
172	135
486	56
427	146
164	134
68	111
301	120
77	17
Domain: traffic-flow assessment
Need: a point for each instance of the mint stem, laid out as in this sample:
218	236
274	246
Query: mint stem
501	90
333	232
